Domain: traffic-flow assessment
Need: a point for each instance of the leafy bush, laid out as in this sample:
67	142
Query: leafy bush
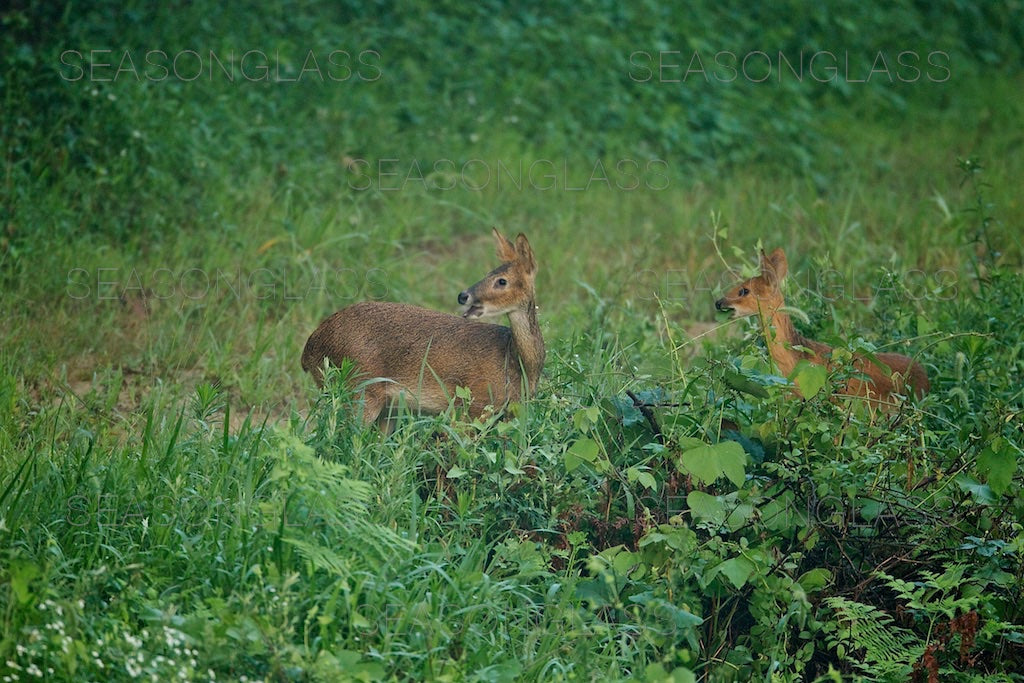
176	502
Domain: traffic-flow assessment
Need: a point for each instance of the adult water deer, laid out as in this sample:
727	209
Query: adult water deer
422	355
761	296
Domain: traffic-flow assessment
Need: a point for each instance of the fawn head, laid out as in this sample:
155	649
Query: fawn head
507	288
760	294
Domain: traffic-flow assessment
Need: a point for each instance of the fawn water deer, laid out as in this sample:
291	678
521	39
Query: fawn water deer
422	355
761	296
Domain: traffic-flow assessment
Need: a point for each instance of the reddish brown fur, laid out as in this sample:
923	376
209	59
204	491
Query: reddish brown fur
761	296
423	355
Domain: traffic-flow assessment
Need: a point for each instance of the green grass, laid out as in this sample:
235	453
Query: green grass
178	500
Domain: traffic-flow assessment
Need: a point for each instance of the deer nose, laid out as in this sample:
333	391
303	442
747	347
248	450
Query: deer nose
720	305
463	298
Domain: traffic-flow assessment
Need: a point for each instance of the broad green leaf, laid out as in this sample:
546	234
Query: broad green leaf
656	673
624	561
998	464
706	507
739	516
739	382
981	493
781	513
455	472
732	459
22	574
809	378
815	579
871	509
647	479
736	569
585	418
348	665
593	590
583	451
359	621
702	462
708	462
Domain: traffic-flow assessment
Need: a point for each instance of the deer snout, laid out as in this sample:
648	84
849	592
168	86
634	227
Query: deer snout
723	306
473	308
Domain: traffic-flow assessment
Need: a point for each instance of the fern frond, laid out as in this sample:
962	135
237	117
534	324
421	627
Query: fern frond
868	639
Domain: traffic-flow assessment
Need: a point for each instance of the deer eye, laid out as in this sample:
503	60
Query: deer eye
744	291
502	282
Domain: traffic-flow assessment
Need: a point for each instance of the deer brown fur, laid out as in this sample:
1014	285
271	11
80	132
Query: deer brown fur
761	296
422	355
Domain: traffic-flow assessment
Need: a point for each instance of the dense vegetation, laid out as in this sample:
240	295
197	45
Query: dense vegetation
188	190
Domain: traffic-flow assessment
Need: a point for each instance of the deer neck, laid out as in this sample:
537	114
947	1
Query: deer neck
782	337
527	342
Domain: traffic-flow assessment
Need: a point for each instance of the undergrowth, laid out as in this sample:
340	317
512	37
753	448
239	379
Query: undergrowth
177	501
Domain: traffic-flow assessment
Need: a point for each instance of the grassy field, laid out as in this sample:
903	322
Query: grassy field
178	501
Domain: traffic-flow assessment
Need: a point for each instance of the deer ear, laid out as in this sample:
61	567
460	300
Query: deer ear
525	253
774	266
506	250
778	259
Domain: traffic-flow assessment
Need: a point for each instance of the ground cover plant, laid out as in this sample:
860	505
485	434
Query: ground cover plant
187	191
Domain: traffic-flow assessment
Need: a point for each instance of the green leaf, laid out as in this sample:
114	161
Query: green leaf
701	462
739	516
347	665
871	509
739	382
583	451
646	479
781	513
736	569
815	579
706	507
585	418
998	464
655	673
359	621
981	493
708	462
455	472
624	562
809	377
22	574
732	459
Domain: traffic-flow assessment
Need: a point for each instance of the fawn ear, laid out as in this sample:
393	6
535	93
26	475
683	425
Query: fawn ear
525	254
506	250
774	266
